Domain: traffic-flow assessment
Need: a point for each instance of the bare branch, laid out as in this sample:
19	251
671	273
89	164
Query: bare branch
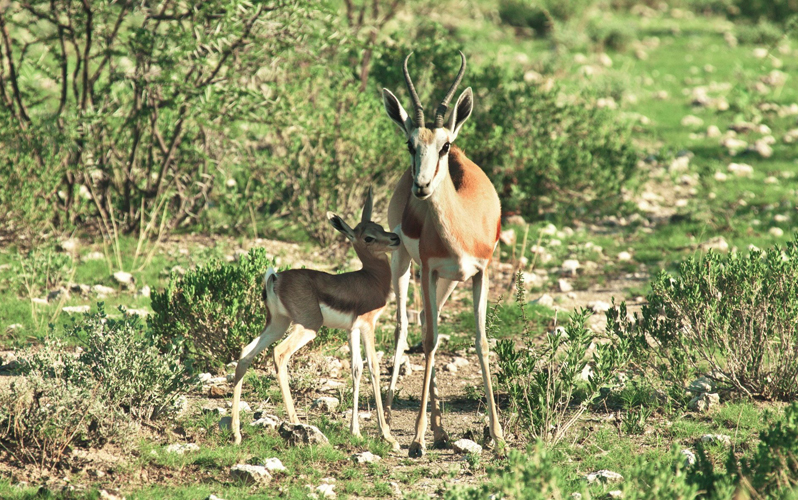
12	73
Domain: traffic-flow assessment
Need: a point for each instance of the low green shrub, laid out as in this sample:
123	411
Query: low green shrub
763	33
40	270
210	313
550	387
548	154
65	399
734	317
610	34
540	15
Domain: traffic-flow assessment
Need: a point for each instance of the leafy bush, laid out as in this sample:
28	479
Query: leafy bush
65	400
735	317
543	383
764	32
609	34
547	154
118	114
210	313
540	15
40	270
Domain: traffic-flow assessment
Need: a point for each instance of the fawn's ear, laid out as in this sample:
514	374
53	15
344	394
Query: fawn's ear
342	227
367	206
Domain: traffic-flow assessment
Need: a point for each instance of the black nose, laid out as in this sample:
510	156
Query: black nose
395	240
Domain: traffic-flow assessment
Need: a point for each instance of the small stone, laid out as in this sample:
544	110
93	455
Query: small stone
713	131
720	176
242	406
703	402
604	476
76	309
181	448
615	494
110	495
142	313
250	474
213	497
760	52
366	458
599	306
94	256
123	278
79	288
718	244
297	434
274	465
689	457
771	180
545	300
326	403
326	490
225	423
741	169
716	439
701	384
450	367
69	245
570	265
204	378
261	420
102	290
40	300
549	230
586	373
776	231
466	446
605	60
58	294
460	361
13	328
507	237
564	285
624	256
217	392
692	121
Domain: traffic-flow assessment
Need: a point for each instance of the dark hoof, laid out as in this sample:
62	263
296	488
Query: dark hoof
441	444
416	450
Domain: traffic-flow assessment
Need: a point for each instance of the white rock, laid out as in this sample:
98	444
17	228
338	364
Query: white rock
466	446
570	265
366	457
716	438
718	244
94	256
701	384
213	497
250	474
270	421
741	169
242	406
544	300
720	176
689	457
58	294
69	245
599	306
679	164
460	361
145	291
703	402
776	231
274	465
564	285
781	218
507	237
760	52
450	367
326	403
181	448
363	415
560	333
604	476
40	300
142	313
102	290
624	256
586	373
771	180
605	60
713	131
549	230
123	278
297	434
692	121
76	309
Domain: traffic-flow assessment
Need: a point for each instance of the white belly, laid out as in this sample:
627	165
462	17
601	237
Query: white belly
457	268
334	318
410	245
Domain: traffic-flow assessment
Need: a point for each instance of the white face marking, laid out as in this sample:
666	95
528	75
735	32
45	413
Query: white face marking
429	167
333	318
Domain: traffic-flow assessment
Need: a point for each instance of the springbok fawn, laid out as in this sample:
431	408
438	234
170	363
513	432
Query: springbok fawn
310	299
447	213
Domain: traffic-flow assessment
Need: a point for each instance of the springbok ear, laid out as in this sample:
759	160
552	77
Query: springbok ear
367	206
396	112
342	227
461	112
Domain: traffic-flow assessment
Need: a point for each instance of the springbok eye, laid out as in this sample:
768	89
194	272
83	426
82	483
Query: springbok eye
369	239
411	149
444	149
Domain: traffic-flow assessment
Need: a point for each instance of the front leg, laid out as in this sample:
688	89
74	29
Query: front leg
400	273
428	285
480	284
374	370
357	371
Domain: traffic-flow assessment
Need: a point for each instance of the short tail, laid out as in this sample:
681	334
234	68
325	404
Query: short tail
268	288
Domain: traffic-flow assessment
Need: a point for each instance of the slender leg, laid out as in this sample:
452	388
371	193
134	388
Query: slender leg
480	284
441	438
273	331
282	354
357	371
428	283
374	371
400	272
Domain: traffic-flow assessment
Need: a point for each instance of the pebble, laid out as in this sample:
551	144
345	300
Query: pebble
604	476
102	290
689	457
718	244
274	465
564	285
704	402
181	448
716	439
123	278
570	265
692	121
545	300
366	457
76	309
326	403
270	421
624	256
776	231
466	446
250	474
296	434
741	169
599	306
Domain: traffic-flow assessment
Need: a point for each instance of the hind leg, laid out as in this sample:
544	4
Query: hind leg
282	354
273	331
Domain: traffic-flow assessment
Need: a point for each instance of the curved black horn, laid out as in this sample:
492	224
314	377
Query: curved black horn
444	105
414	95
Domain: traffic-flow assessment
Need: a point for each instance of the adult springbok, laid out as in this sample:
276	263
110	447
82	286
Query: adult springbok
351	301
447	213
